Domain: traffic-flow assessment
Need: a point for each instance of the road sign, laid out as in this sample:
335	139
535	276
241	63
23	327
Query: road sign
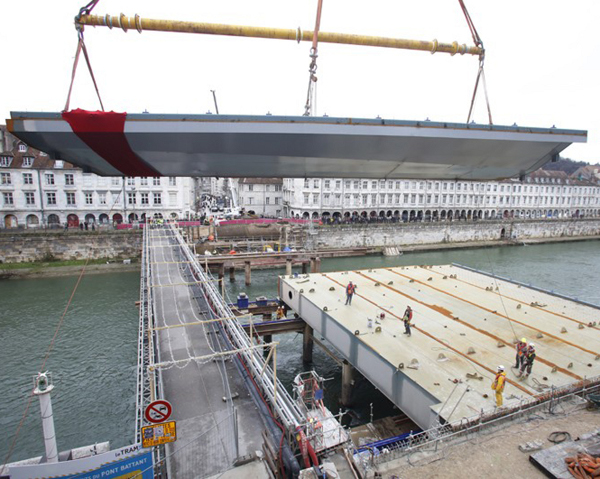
158	434
158	411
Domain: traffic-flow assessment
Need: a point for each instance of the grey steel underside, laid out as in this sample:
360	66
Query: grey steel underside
270	146
405	393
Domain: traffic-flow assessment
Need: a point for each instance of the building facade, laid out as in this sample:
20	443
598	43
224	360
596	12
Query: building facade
37	191
261	196
542	194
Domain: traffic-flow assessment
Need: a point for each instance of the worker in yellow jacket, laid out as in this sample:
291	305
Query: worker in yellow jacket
498	385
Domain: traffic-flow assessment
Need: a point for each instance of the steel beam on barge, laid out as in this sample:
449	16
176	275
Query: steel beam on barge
292	147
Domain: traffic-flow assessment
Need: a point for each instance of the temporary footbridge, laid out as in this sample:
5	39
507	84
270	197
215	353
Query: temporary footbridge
108	143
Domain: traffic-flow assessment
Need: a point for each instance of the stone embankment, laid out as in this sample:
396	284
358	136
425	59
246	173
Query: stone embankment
412	236
48	246
55	245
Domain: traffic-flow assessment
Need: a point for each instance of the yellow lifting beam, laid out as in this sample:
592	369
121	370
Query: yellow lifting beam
137	23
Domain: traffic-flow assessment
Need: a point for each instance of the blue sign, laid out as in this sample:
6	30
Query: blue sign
139	466
125	463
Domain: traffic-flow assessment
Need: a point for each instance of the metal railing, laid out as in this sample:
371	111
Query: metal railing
283	405
212	452
485	422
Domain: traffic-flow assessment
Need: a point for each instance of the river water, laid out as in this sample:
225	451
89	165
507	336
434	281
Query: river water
94	358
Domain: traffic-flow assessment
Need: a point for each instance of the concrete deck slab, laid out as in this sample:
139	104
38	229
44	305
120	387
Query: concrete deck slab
461	333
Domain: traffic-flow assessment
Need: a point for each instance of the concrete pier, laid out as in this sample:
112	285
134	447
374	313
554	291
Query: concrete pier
307	344
347	383
248	272
288	266
232	274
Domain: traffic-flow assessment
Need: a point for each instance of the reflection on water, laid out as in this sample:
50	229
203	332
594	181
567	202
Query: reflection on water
95	354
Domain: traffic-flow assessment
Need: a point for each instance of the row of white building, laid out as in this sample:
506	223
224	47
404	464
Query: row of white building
542	194
35	190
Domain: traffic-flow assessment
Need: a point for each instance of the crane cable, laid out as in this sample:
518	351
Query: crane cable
49	350
480	71
312	79
81	47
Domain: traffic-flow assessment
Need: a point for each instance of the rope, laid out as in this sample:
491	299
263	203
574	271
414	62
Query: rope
50	347
473	30
312	79
81	47
85	10
75	63
480	71
501	297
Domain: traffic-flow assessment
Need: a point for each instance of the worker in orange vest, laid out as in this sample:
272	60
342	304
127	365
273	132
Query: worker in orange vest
527	362
498	385
521	347
349	292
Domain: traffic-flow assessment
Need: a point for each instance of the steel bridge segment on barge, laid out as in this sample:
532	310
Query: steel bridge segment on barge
291	147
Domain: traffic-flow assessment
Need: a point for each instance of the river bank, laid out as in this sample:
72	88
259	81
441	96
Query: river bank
49	270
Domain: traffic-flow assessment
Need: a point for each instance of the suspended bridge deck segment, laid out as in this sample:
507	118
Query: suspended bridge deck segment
112	144
465	325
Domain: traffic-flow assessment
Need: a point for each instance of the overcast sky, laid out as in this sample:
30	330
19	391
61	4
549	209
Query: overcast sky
542	63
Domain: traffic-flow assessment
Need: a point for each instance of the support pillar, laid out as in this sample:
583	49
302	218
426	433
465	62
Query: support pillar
288	266
304	267
267	338
42	390
347	383
221	276
248	270
317	265
313	262
232	274
307	349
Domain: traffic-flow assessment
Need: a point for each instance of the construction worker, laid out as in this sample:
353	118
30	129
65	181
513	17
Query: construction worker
528	359
521	347
408	314
350	289
280	313
498	385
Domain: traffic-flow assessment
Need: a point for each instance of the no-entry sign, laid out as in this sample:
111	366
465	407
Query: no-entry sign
158	411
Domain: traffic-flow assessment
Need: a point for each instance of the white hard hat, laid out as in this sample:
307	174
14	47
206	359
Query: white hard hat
500	368
532	345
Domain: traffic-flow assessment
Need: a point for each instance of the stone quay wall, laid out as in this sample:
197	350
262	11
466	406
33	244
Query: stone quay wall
47	246
408	234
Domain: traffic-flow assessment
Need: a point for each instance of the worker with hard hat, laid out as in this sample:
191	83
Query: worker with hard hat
528	359
408	314
498	385
521	347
